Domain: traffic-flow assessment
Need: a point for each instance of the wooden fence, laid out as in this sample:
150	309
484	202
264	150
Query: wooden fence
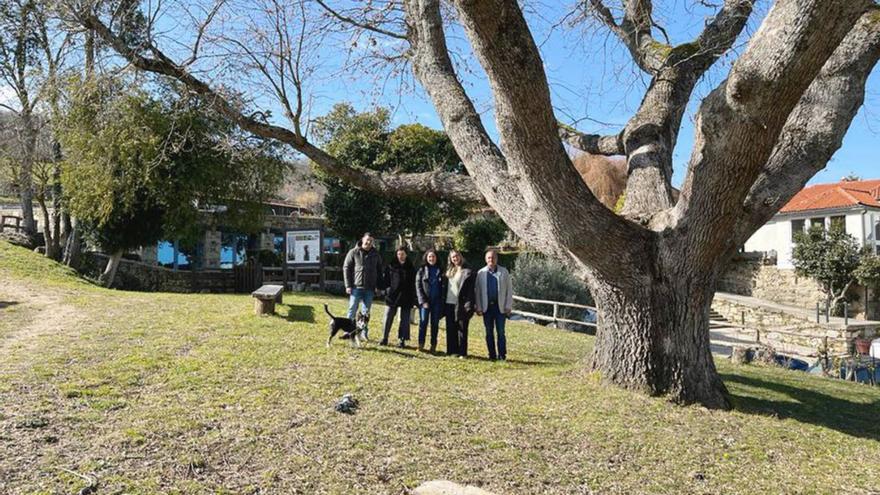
248	276
555	319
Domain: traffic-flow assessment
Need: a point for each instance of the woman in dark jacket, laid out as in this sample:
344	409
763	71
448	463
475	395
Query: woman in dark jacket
399	283
460	299
431	293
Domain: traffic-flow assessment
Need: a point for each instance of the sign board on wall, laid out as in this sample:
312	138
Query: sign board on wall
303	247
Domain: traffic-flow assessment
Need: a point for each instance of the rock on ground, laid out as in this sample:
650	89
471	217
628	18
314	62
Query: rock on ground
443	487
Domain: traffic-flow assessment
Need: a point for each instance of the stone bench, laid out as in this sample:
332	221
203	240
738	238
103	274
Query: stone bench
265	298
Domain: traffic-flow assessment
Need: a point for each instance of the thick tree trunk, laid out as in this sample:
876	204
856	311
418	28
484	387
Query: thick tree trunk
106	279
653	337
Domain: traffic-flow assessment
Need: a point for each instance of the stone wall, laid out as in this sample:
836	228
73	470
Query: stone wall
756	276
787	333
134	275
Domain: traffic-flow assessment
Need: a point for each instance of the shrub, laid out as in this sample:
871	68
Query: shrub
831	258
538	277
476	235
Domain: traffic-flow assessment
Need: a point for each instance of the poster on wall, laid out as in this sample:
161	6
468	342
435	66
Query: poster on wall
303	247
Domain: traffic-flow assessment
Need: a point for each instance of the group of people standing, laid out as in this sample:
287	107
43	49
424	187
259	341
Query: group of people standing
456	294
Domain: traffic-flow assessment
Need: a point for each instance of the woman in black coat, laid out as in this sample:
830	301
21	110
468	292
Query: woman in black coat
399	284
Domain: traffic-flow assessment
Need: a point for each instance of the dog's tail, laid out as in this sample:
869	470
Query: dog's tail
327	310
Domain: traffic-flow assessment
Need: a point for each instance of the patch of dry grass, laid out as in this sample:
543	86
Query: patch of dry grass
165	393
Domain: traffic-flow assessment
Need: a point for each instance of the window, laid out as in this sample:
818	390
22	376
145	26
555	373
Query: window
817	223
838	223
797	227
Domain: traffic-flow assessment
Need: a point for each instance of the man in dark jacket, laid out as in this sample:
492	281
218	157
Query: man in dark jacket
399	284
362	269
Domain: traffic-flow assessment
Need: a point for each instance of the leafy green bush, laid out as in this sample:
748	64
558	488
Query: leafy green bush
476	235
539	277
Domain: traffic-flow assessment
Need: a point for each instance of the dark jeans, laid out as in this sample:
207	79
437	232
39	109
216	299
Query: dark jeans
494	321
403	329
456	333
432	313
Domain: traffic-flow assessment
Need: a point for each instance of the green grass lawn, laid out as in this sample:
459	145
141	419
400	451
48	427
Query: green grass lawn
170	393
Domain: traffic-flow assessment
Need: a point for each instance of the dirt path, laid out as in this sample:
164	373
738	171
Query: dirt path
34	312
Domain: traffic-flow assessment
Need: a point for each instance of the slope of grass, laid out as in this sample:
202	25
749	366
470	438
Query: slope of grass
165	393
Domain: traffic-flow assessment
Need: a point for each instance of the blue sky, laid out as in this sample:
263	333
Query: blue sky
595	85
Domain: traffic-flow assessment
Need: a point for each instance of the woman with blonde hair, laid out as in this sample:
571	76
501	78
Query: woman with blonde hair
460	300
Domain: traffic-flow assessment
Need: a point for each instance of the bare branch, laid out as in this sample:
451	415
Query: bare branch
200	32
436	184
360	25
635	32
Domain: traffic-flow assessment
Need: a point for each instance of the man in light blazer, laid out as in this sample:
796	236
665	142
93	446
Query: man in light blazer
494	301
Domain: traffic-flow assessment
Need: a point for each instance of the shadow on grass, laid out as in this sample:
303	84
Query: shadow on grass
852	418
391	349
6	304
300	313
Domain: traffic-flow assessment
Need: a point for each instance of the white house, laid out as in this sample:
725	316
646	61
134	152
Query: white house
851	205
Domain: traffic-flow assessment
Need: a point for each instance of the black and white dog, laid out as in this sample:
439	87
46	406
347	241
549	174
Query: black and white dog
354	330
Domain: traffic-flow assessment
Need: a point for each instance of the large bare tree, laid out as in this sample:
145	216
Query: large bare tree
775	120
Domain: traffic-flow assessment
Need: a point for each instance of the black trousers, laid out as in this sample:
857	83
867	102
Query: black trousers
456	333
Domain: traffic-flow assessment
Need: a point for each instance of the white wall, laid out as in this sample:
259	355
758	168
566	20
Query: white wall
871	228
775	235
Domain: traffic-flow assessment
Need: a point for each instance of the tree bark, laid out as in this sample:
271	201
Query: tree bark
49	240
73	248
653	334
56	206
109	276
25	176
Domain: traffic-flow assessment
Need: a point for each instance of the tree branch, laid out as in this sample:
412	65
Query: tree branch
591	143
740	121
635	32
815	129
436	184
361	25
650	136
548	181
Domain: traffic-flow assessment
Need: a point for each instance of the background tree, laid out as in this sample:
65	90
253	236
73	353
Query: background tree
868	272
831	258
365	140
141	168
772	123
475	235
20	60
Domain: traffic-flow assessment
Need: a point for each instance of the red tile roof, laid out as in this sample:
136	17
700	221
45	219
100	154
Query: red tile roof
838	195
